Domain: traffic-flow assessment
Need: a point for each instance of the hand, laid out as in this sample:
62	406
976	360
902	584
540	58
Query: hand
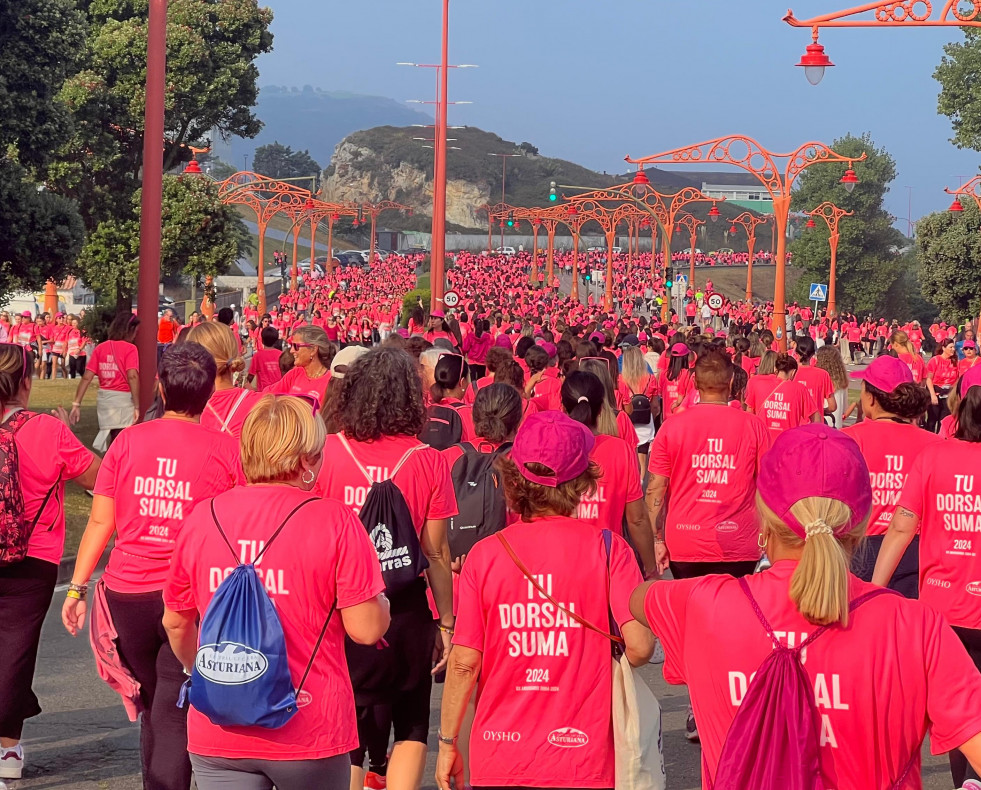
59	413
662	555
74	415
449	767
136	415
457	565
73	615
441	653
934	400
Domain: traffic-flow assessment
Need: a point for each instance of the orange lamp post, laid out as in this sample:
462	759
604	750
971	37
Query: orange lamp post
971	189
749	222
884	13
550	224
831	215
574	220
748	154
373	210
690	223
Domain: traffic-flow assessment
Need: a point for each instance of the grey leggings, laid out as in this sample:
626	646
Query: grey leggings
225	773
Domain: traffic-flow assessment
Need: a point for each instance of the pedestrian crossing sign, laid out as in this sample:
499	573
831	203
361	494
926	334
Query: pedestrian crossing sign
819	292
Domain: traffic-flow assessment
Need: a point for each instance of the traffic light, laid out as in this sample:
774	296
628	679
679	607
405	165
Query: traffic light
552	194
669	280
588	277
510	219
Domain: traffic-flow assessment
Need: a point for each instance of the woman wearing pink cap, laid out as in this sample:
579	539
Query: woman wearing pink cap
890	441
940	501
883	673
524	595
676	380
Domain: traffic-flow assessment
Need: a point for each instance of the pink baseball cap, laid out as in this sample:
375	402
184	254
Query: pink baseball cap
970	344
26	314
549	348
814	460
556	441
503	341
885	373
642	337
680	350
437	314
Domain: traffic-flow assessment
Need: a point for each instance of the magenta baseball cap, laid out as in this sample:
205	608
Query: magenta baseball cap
437	314
970	344
555	441
680	350
642	337
503	341
814	461
26	314
885	373
599	336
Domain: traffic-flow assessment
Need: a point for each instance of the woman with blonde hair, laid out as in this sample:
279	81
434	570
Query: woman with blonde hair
899	343
883	670
312	353
230	405
323	576
636	382
611	421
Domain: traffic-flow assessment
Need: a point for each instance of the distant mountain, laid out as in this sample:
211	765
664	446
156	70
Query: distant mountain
316	120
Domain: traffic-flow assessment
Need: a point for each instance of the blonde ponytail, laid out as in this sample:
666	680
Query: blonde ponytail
819	587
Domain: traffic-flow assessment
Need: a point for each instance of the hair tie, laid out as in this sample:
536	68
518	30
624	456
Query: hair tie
583	399
817	527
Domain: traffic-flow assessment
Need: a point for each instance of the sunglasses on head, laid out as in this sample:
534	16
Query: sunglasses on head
604	360
24	354
313	401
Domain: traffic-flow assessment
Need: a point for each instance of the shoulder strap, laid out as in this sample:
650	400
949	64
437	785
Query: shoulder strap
228	418
343	440
542	591
268	542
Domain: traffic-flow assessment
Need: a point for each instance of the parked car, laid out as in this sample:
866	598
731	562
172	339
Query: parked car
688	251
505	251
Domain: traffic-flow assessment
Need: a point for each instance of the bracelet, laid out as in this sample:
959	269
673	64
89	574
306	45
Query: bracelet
445	629
79	588
76	405
448	741
658	540
75	594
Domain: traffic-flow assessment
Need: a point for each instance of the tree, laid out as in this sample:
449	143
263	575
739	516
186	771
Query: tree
959	75
868	264
949	251
201	236
280	161
212	46
40	232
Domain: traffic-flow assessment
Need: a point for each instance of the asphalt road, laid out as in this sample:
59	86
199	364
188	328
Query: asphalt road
84	741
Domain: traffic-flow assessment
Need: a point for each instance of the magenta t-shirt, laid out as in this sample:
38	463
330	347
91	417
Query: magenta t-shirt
265	367
111	361
619	484
544	704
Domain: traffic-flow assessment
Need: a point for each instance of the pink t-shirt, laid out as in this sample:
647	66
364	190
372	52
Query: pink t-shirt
156	472
889	449
539	720
786	406
940	490
895	673
619	485
818	384
111	361
297	382
48	454
674	391
948	427
265	367
942	371
322	555
626	430
711	455
227	409
424	478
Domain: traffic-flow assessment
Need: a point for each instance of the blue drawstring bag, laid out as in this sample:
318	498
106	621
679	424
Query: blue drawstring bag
241	674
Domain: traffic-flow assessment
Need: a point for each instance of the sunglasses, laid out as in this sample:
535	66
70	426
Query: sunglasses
313	401
604	360
24	355
298	346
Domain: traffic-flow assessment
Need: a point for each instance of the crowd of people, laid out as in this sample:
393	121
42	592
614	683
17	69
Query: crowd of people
335	505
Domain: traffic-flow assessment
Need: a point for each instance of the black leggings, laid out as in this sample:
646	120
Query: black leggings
76	366
960	769
145	650
26	589
935	414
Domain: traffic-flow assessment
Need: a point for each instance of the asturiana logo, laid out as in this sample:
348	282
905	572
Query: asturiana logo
230	664
974	588
726	526
568	738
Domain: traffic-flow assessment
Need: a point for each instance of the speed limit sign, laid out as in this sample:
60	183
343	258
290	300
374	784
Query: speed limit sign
715	301
451	299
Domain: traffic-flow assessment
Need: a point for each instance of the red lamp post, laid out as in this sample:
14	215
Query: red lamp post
971	189
831	215
748	154
749	222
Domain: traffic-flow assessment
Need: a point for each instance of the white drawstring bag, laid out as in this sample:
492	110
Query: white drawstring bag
637	743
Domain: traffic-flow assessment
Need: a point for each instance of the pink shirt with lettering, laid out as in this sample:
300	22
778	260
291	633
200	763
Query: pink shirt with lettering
424	478
619	485
941	490
710	455
48	454
537	722
786	406
156	472
889	449
323	555
111	361
265	367
896	673
818	384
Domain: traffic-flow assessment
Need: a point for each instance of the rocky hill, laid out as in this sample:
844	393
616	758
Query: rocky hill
386	163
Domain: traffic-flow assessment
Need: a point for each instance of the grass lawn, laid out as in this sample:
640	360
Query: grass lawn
45	396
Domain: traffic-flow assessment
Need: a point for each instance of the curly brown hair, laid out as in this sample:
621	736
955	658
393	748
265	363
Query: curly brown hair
381	396
530	500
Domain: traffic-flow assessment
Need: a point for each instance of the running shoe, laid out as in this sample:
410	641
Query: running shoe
691	731
12	762
373	781
658	656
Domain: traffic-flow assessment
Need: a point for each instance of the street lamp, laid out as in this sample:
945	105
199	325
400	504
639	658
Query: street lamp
749	222
504	175
746	153
832	215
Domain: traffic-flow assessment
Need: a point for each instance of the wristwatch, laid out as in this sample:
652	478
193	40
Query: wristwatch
448	741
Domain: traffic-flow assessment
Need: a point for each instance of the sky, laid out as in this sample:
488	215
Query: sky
594	80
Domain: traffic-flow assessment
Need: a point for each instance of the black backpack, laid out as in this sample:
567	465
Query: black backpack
479	498
443	427
387	519
640	408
